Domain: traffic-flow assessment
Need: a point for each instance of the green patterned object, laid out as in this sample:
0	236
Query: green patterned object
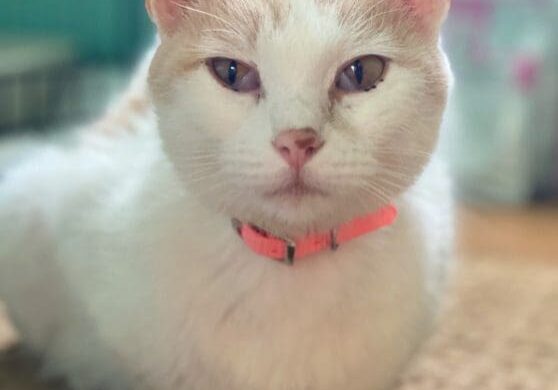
100	30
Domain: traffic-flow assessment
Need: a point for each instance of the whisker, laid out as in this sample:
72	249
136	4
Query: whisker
395	175
201	158
205	13
377	193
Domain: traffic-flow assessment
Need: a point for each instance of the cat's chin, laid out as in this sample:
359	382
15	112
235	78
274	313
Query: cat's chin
293	207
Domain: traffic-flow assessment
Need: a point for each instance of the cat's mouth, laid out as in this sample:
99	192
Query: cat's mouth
297	188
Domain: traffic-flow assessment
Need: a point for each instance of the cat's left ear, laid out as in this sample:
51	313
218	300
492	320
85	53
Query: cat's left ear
166	14
432	13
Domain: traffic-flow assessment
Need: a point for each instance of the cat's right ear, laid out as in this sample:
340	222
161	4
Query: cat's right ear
166	14
432	13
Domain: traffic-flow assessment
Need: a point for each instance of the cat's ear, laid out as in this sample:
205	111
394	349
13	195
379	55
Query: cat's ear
431	12
166	14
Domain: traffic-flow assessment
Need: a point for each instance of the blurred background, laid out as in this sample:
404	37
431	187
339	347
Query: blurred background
61	61
504	119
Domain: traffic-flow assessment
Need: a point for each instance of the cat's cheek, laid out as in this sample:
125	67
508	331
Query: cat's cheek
363	114
204	106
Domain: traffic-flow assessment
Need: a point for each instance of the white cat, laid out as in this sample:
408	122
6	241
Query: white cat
118	260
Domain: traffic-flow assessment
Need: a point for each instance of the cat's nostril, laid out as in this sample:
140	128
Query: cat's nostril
310	151
285	151
306	143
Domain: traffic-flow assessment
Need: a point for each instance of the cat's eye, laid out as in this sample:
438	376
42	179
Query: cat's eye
362	75
235	75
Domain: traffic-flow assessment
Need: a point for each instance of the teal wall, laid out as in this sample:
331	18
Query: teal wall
102	30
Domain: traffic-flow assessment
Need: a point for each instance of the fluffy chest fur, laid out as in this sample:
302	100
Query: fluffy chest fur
174	300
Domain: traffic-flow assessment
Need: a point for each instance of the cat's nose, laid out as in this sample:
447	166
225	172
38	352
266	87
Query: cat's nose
298	146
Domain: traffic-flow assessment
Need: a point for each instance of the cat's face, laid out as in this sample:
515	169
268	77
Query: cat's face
299	115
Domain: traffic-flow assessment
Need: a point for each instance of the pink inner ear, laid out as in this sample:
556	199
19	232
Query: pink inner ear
431	11
166	13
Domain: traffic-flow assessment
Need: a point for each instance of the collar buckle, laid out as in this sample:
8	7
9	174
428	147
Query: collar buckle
333	241
290	245
290	252
237	226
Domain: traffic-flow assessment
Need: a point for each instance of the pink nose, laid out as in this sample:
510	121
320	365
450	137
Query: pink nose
297	147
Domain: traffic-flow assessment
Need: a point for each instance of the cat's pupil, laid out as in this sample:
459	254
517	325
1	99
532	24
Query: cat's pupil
233	72
358	70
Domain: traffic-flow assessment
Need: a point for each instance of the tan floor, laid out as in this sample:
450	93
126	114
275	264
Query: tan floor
529	234
499	333
500	330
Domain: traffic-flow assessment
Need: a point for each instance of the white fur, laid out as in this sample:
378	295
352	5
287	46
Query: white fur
119	265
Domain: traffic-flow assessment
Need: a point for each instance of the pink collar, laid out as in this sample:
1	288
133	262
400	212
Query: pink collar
288	251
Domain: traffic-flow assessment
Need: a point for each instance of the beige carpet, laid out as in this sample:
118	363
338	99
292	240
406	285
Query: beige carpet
500	332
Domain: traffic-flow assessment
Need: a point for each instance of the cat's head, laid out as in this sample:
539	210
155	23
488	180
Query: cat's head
299	115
